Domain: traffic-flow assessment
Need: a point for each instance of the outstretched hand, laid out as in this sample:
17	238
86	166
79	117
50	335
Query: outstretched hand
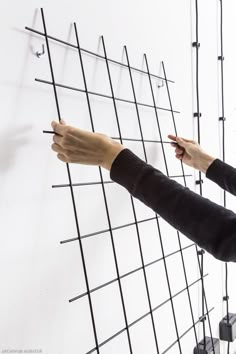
75	145
191	153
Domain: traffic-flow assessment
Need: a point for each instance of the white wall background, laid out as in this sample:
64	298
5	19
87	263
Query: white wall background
38	274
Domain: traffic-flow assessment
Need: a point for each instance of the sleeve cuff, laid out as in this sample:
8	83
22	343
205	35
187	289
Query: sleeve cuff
215	167
126	168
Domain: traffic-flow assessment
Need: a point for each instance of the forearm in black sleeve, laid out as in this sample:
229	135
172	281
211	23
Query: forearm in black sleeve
222	174
206	223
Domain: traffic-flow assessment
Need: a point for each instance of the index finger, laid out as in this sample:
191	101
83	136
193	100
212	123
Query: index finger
172	137
58	128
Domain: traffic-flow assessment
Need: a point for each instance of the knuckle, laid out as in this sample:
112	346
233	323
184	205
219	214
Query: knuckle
67	140
63	141
67	130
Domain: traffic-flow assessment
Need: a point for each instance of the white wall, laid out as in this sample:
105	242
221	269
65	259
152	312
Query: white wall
38	274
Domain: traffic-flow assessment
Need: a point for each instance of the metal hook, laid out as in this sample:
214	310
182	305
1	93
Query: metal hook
39	54
161	84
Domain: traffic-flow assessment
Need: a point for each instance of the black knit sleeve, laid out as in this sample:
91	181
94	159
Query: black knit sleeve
206	223
222	174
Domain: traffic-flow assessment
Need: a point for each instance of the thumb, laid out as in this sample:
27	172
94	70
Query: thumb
181	142
62	122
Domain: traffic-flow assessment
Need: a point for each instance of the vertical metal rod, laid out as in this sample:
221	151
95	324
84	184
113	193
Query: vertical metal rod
180	245
158	225
222	84
104	195
197	88
223	141
132	201
200	175
71	189
203	308
136	104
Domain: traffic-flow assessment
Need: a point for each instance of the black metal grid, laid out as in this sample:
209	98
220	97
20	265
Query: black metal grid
136	223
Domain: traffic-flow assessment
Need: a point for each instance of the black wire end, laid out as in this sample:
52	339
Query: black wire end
49	132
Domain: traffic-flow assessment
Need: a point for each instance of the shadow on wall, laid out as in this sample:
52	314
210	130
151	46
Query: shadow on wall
11	140
14	138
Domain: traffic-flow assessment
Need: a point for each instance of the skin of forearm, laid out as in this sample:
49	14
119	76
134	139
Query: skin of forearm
205	162
112	150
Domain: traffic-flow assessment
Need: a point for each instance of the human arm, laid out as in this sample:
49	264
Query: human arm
191	153
223	174
209	225
206	223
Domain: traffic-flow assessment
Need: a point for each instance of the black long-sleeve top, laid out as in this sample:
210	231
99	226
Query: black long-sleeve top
209	225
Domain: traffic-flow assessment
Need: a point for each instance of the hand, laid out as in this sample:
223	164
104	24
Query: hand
191	153
75	145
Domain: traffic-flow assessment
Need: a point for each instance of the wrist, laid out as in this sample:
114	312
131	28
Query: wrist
206	161
112	151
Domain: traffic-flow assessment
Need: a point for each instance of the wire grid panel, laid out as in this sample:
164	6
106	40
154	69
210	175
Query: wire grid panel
129	290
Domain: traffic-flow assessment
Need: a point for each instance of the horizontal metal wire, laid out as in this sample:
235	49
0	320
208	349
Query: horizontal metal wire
142	140
107	230
129	273
95	54
148	313
81	184
128	139
67	87
104	182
